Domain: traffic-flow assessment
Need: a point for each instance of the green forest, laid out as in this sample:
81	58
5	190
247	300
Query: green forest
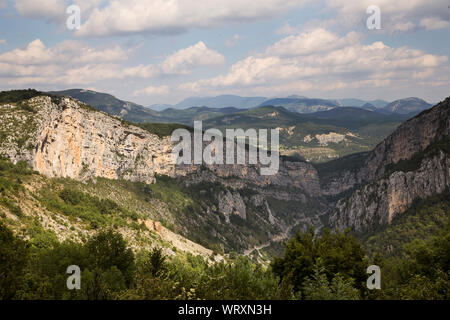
331	265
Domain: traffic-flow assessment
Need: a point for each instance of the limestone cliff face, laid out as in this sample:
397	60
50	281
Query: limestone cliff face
413	163
70	139
300	176
379	202
413	136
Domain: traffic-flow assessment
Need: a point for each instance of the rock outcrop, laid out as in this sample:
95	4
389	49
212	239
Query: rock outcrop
69	139
412	137
413	163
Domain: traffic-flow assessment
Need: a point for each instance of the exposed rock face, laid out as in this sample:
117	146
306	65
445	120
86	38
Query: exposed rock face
73	141
379	202
413	136
299	175
388	192
232	203
69	139
151	225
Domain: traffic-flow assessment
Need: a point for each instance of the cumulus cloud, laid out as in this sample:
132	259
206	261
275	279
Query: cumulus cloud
151	91
181	62
434	23
67	52
176	16
50	10
310	42
73	62
69	62
320	59
198	55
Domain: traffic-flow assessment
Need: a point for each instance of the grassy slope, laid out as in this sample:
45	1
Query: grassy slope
74	208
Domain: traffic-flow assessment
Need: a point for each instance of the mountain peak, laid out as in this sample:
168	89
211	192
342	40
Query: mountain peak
411	105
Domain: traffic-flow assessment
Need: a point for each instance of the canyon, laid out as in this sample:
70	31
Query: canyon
64	138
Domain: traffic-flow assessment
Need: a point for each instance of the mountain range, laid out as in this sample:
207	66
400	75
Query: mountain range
135	112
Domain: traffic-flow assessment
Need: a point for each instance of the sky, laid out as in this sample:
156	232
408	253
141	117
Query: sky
162	51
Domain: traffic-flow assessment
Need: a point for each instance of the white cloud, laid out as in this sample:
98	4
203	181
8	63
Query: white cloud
151	91
73	62
434	23
176	16
198	55
317	40
69	62
402	26
322	60
50	10
286	29
182	62
54	10
230	43
67	52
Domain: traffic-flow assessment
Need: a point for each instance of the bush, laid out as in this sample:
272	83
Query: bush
13	96
14	255
338	253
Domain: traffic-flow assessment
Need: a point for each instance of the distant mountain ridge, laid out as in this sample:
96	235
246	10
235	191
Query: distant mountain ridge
361	103
408	106
221	101
318	136
110	104
301	105
295	103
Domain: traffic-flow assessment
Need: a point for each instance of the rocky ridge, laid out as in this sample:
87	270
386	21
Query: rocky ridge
413	163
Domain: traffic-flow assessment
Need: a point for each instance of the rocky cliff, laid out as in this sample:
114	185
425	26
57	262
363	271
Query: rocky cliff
71	140
62	137
412	137
413	163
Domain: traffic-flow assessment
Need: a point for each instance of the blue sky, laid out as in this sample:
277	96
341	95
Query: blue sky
161	51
